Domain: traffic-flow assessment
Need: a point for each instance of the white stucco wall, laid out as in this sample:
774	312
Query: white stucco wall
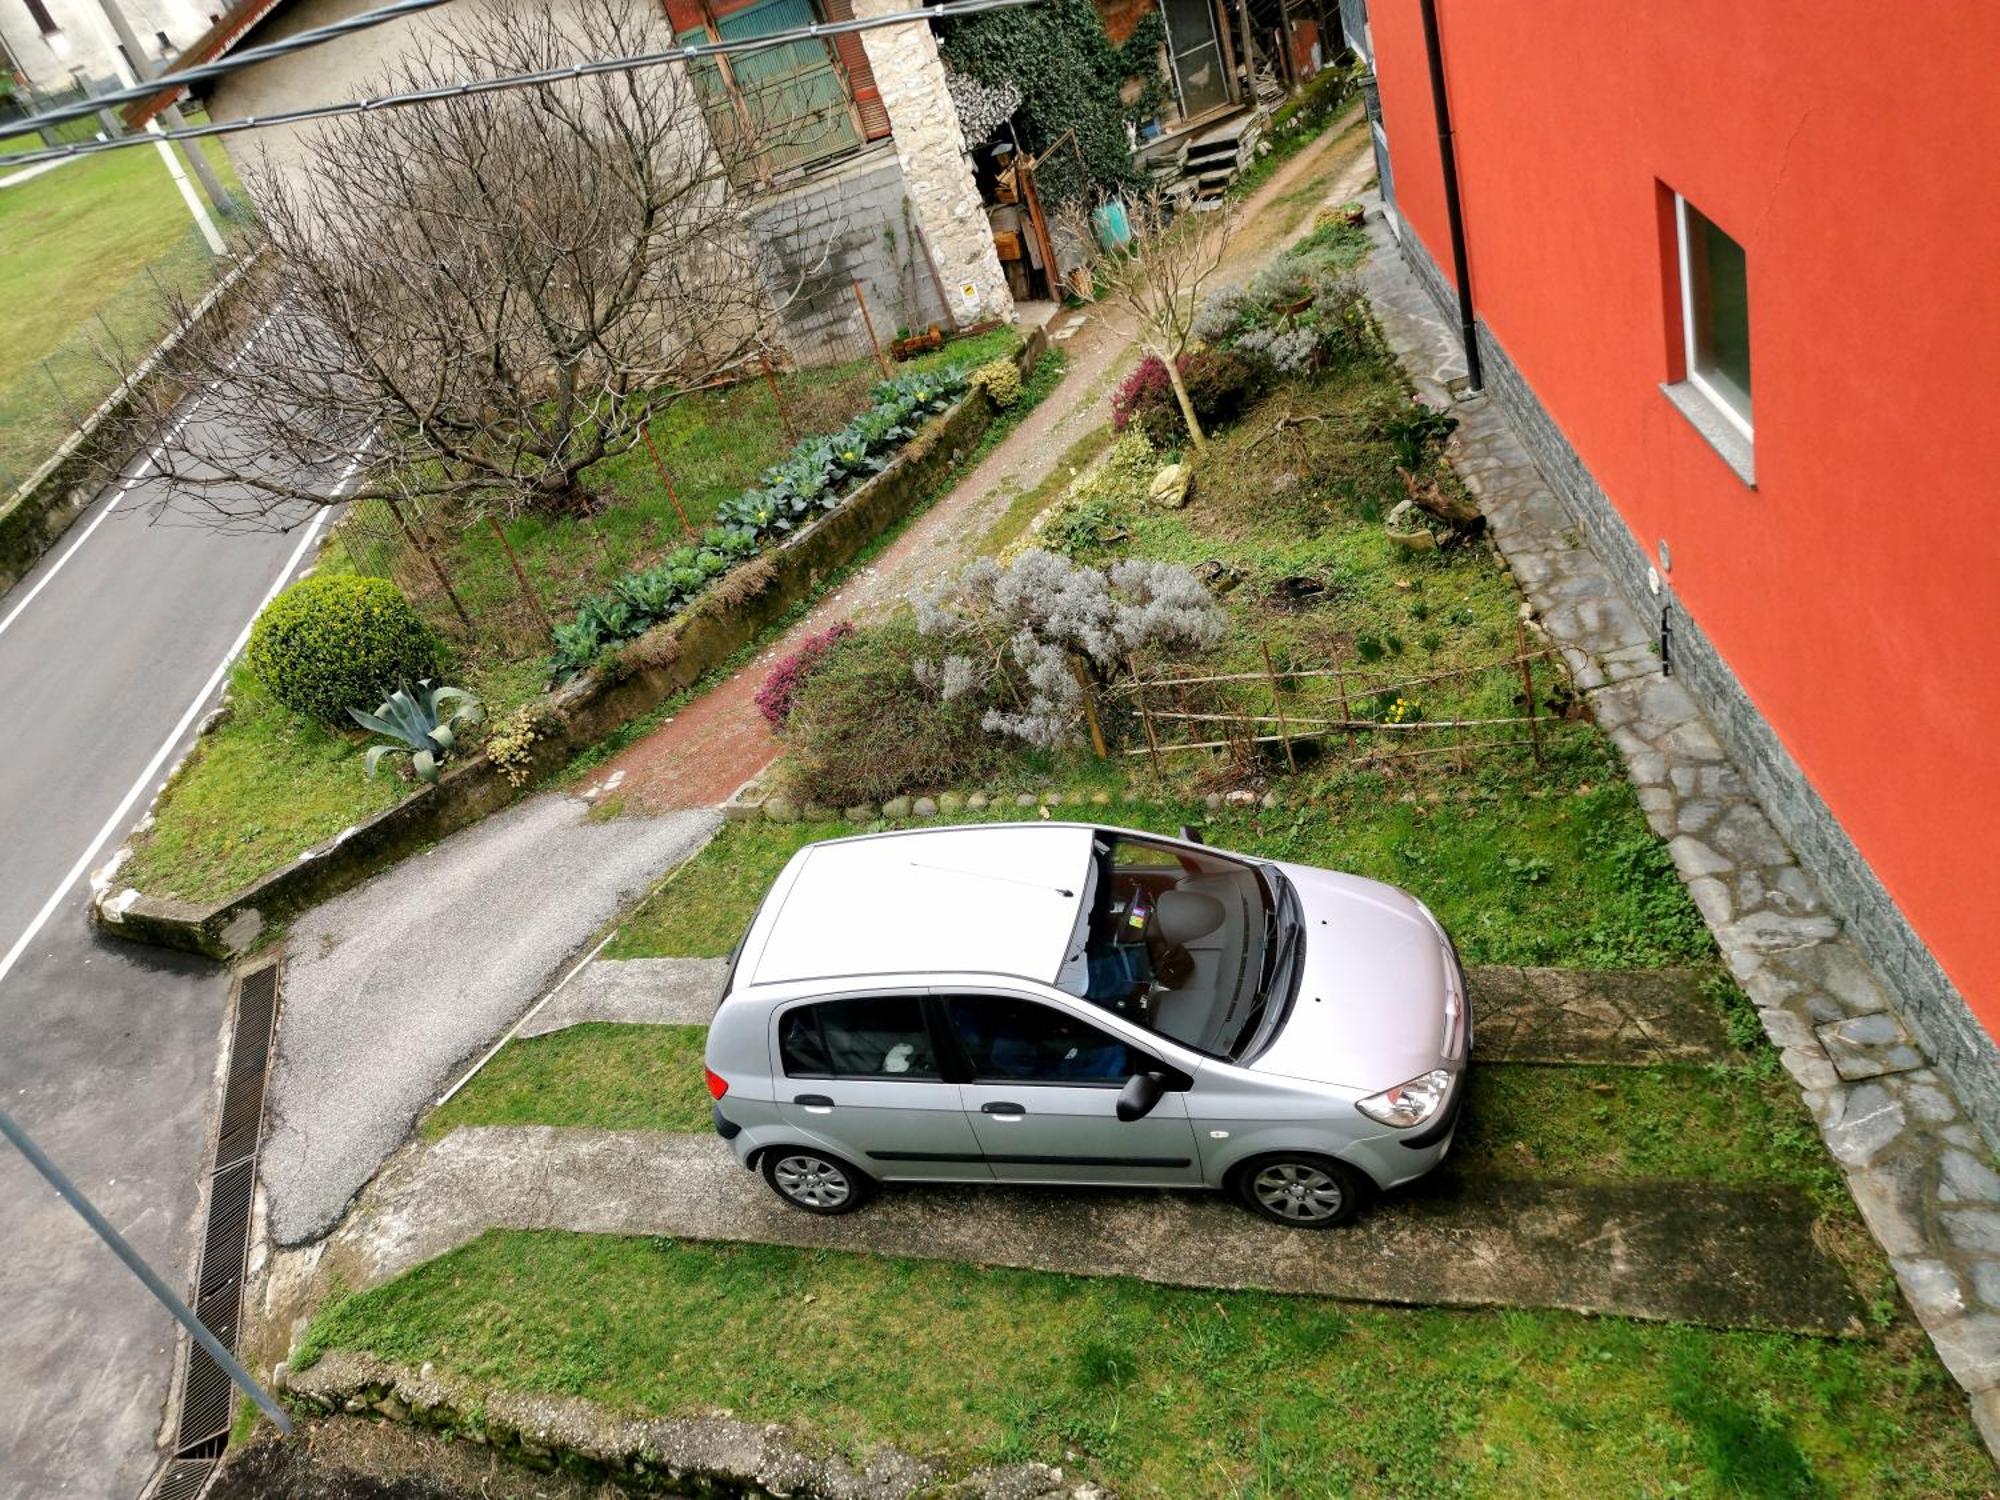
82	47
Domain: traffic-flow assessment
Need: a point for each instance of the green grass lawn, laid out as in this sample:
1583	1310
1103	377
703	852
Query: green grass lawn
79	241
1166	1392
600	1075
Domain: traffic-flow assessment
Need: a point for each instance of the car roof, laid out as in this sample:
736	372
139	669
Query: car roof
996	898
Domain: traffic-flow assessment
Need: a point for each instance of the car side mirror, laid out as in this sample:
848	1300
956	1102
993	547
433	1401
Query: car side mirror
1141	1093
1190	835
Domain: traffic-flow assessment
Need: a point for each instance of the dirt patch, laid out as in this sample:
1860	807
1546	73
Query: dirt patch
349	1458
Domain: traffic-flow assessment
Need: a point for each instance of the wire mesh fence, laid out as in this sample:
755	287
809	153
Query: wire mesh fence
868	309
1293	711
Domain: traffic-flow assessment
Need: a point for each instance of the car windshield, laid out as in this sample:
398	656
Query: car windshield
1188	943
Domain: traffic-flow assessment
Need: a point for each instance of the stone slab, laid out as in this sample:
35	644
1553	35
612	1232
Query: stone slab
651	991
1625	1018
1679	1252
1870	1046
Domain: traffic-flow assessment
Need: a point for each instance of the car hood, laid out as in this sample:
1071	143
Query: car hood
1370	1009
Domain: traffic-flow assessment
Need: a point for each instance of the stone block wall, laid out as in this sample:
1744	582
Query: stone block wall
845	223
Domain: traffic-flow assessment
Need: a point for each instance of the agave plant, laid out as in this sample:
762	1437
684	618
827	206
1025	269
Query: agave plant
422	721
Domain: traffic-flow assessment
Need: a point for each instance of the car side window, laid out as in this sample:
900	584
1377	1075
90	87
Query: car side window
1008	1039
876	1036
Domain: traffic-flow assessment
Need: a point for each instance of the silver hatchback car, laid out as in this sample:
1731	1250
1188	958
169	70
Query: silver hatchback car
1062	1003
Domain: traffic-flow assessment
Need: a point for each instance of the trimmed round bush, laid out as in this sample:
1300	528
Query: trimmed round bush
331	643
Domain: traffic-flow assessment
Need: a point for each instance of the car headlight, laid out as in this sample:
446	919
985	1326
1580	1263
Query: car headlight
1408	1104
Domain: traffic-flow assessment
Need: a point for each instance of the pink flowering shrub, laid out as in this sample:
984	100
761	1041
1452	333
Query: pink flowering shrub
781	686
1142	393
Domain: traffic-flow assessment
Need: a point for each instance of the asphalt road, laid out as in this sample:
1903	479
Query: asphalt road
110	651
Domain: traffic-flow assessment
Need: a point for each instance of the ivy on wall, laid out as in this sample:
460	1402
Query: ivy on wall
1069	73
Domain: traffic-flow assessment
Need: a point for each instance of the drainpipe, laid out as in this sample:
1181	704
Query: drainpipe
1454	215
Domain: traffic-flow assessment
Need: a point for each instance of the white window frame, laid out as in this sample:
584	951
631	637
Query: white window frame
1725	408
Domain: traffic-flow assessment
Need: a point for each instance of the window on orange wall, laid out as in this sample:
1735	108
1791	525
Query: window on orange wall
1715	314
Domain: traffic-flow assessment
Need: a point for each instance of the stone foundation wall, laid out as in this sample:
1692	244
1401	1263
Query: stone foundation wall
1930	1003
846	223
931	147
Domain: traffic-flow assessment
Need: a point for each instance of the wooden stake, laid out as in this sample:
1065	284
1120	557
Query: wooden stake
1278	707
869	323
778	400
430	557
667	480
1346	710
1089	709
521	578
1145	714
1528	688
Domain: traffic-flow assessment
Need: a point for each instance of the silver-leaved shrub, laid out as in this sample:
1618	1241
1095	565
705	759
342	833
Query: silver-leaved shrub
1031	637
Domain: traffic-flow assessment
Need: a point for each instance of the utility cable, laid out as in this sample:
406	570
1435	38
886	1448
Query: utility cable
692	52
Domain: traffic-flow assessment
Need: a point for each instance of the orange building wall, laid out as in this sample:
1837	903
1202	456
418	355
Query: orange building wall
1853	150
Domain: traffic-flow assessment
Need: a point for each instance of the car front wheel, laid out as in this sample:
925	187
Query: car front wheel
814	1181
1301	1191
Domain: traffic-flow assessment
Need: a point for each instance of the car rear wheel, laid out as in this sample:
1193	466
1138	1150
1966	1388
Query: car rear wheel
814	1181
1301	1191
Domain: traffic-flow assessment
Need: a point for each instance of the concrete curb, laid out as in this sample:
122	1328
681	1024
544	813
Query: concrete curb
666	660
706	1455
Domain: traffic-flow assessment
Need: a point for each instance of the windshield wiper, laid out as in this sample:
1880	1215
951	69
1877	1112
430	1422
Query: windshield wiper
1278	955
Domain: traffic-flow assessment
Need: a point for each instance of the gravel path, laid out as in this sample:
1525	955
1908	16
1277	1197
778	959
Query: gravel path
720	741
391	987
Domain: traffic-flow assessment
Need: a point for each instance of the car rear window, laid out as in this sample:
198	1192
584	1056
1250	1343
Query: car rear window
875	1036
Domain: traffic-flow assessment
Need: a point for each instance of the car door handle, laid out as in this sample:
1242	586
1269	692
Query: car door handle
817	1102
1003	1109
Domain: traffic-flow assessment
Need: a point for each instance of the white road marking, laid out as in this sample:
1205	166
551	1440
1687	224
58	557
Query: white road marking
115	822
128	486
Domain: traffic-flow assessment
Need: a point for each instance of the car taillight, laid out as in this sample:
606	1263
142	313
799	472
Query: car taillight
717	1084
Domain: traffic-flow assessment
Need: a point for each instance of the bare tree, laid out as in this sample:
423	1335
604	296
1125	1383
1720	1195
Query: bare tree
487	294
1157	283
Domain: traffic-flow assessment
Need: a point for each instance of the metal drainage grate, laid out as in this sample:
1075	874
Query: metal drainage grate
207	1397
182	1479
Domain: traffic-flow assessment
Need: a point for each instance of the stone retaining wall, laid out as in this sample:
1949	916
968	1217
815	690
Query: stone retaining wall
43	508
707	1456
665	661
1930	1003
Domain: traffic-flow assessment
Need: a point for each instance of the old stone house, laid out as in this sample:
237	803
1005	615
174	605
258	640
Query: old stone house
859	173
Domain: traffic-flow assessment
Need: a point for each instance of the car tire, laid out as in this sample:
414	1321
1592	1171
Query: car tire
1300	1190
815	1181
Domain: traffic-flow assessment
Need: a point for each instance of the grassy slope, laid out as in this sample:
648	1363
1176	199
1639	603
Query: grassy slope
78	241
1177	1393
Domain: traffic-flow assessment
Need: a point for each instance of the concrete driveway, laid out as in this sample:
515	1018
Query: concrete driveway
391	989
